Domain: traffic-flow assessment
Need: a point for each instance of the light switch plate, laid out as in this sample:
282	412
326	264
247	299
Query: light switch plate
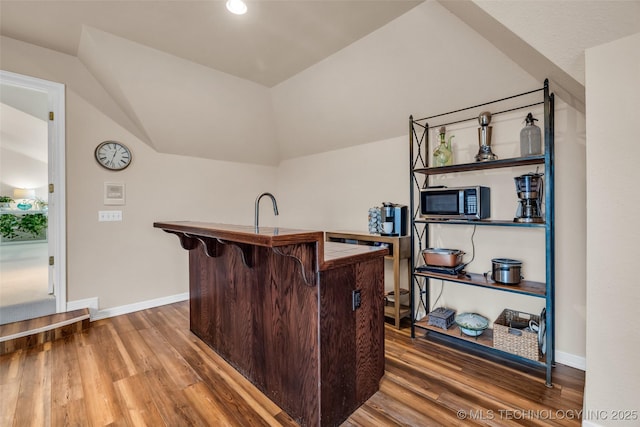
109	216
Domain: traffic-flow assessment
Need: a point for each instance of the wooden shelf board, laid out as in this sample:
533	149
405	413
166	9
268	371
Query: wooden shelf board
492	222
484	340
525	287
389	311
476	166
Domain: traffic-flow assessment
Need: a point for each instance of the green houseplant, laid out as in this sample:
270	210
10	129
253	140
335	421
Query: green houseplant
33	224
8	226
4	201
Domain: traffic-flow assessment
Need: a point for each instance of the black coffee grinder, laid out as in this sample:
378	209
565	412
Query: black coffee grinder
529	187
394	219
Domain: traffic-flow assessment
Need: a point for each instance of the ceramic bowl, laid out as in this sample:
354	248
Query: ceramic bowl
472	324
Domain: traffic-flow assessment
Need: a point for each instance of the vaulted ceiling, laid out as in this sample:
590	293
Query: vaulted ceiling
227	67
278	38
272	42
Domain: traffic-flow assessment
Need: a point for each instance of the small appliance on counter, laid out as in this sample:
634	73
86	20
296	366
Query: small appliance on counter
461	203
440	257
394	219
443	261
484	138
506	271
452	271
529	188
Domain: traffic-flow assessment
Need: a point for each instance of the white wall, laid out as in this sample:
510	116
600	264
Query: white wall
159	187
613	294
425	62
428	62
128	262
196	111
334	190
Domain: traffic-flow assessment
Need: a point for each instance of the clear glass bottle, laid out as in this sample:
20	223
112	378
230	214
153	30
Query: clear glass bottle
442	155
530	138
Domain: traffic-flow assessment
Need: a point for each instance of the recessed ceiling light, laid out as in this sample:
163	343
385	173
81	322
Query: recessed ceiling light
237	6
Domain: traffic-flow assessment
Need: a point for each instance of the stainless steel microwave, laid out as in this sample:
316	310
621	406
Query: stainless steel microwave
472	203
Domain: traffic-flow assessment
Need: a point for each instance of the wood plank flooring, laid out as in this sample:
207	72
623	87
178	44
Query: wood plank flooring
29	333
147	368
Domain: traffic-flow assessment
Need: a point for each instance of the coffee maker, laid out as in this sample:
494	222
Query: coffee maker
529	188
397	216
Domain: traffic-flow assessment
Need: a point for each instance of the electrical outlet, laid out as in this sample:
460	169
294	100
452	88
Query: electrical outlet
356	300
109	216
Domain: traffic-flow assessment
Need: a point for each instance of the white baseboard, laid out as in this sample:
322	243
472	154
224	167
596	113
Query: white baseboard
96	314
142	305
90	303
571	360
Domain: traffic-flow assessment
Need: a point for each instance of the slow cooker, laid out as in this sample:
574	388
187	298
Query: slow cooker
507	271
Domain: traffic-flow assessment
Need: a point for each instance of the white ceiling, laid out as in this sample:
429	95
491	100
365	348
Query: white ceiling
563	30
279	44
272	42
277	39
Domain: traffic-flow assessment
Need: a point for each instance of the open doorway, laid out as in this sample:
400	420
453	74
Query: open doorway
32	231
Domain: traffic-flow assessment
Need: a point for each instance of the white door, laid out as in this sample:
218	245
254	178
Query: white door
24	89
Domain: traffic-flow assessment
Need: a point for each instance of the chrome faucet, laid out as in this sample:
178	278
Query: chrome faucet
275	207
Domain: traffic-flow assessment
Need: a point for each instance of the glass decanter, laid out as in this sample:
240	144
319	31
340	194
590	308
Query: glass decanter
442	155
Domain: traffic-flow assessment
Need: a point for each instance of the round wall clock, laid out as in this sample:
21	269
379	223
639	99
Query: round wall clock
113	155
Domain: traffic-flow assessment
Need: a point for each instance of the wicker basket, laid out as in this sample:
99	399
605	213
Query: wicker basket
516	341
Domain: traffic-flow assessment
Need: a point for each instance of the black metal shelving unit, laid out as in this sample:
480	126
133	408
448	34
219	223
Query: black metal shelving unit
420	174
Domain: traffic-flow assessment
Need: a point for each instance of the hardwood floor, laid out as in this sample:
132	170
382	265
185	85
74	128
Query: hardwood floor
29	333
147	368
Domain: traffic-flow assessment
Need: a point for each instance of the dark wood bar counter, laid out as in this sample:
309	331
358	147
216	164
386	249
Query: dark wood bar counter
301	318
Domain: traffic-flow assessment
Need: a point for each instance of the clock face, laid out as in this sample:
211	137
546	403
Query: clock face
113	155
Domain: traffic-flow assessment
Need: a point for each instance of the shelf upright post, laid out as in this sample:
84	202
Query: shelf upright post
418	151
424	242
549	127
411	209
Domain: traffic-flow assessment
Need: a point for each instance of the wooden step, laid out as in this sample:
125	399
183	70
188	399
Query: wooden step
32	332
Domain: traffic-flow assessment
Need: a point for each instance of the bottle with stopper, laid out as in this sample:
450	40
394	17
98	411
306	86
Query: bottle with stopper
443	155
530	138
484	138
